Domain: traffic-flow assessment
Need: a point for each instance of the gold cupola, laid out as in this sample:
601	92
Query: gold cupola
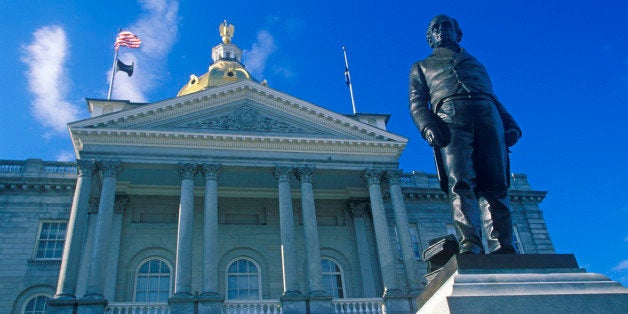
226	67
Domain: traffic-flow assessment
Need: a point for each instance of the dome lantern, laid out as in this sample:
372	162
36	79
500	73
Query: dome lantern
226	67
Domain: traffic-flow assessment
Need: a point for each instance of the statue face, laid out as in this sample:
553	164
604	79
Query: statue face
443	33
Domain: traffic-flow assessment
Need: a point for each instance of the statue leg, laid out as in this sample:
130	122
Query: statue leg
458	162
492	183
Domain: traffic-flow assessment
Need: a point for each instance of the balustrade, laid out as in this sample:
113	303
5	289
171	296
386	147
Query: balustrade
360	306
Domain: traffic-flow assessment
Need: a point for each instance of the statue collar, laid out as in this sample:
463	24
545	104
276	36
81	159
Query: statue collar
439	52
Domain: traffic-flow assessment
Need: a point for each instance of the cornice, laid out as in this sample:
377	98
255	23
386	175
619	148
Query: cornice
86	136
230	93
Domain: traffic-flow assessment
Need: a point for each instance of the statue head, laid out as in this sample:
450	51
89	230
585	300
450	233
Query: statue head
444	31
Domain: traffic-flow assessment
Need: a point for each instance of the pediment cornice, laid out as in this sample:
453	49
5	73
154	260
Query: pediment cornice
135	118
112	137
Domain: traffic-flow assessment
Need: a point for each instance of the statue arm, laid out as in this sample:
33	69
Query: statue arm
420	111
511	127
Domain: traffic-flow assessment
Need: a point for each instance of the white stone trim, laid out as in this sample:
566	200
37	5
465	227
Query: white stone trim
84	137
233	92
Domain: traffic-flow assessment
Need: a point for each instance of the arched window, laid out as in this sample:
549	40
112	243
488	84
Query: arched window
243	280
333	282
152	281
36	305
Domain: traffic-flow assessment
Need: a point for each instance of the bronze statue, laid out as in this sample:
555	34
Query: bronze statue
454	107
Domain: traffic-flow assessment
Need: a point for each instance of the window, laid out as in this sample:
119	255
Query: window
416	245
243	280
50	240
152	282
35	305
333	282
516	242
414	238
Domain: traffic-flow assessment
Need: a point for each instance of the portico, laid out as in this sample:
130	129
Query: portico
259	191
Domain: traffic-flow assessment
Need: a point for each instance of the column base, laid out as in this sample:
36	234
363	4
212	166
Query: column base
293	302
182	303
61	305
92	306
210	303
320	304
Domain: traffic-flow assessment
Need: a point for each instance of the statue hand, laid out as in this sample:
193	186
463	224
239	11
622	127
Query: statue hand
512	137
437	136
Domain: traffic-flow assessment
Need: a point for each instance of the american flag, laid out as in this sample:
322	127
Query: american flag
126	38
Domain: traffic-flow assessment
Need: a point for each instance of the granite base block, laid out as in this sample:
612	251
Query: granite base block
531	283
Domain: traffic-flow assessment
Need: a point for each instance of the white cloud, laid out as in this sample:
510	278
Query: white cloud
256	57
621	266
157	28
283	71
45	58
65	156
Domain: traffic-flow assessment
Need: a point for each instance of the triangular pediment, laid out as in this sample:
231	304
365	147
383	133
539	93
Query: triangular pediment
245	108
243	117
246	113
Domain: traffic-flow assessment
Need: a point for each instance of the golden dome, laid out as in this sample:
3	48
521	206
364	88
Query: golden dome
227	67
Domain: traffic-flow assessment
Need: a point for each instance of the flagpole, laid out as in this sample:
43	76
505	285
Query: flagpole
348	77
113	68
113	74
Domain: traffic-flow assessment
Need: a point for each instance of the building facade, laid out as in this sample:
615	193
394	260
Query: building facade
231	197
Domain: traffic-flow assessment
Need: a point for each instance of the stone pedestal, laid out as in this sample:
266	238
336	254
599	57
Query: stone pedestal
86	306
320	304
210	303
400	304
60	306
181	304
293	304
532	283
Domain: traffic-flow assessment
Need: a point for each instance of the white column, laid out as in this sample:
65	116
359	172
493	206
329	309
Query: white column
183	264
310	229
386	260
98	259
90	230
210	231
359	212
286	221
401	220
114	248
68	275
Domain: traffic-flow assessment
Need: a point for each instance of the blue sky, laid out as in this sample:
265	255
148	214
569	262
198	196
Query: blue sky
560	67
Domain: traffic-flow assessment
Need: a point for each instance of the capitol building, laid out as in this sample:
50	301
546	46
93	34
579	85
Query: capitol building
229	197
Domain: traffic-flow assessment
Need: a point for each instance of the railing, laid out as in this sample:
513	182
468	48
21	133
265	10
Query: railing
59	167
138	308
35	167
360	306
407	179
11	165
341	306
252	307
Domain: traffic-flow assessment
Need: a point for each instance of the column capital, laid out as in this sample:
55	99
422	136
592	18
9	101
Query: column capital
85	167
304	173
372	176
283	173
187	171
210	171
393	177
359	209
111	168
